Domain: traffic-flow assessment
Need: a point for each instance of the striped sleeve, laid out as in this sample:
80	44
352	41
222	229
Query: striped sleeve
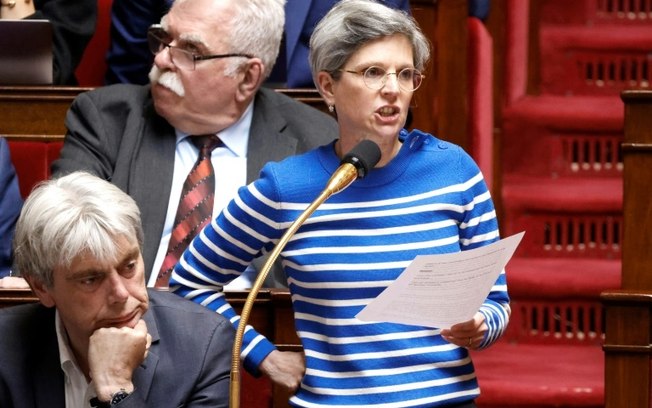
222	251
479	228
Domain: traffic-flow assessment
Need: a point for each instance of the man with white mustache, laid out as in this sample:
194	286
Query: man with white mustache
211	58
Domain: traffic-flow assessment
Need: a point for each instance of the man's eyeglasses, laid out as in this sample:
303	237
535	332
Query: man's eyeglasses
409	79
158	39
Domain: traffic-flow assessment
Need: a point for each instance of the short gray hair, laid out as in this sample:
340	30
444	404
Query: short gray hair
77	214
256	30
350	24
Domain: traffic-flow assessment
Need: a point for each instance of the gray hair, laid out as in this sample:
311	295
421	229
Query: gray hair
63	218
257	30
350	24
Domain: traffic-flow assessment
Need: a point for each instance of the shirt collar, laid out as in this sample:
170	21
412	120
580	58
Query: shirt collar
66	357
235	137
77	390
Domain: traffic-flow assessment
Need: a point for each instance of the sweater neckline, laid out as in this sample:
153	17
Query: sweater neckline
411	141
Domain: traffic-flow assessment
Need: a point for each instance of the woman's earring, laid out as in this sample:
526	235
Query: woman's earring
331	108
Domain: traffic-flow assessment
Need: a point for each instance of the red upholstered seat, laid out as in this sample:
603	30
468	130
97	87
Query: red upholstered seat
32	160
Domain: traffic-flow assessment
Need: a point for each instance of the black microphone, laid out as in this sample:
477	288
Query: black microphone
355	164
364	156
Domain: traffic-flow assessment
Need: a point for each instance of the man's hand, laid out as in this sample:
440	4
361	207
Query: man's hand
468	334
284	368
114	354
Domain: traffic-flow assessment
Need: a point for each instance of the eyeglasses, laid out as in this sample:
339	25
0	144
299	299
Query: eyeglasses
158	39
409	79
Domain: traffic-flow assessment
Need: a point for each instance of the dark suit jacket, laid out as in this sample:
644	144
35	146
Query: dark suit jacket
188	363
301	17
129	58
10	205
73	26
115	133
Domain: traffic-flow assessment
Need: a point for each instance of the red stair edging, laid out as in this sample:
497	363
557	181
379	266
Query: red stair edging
540	376
546	278
586	195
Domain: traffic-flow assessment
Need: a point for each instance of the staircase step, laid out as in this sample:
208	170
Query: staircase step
582	60
568	321
596	12
569	219
558	301
558	279
569	112
559	136
578	195
540	376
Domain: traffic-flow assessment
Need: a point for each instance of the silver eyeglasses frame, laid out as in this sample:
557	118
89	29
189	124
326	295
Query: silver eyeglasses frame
375	77
158	40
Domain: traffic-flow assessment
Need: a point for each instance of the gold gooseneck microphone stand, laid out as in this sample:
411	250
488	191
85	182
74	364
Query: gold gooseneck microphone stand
355	165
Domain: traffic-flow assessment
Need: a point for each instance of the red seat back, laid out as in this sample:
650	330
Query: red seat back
91	69
32	160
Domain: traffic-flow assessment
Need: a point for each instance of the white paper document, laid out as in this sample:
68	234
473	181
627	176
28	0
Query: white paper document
442	290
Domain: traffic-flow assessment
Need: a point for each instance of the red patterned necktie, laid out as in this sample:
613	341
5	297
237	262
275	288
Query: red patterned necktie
195	206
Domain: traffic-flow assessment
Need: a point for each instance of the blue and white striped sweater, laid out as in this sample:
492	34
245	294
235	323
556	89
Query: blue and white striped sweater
431	198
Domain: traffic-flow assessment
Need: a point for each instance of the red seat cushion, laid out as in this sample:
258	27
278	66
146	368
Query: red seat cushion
32	160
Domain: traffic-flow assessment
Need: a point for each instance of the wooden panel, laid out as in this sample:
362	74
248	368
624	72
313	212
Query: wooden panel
627	348
637	155
38	112
14	297
35	111
628	340
440	104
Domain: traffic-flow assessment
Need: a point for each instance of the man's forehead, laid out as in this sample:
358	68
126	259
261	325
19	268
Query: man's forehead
195	38
122	251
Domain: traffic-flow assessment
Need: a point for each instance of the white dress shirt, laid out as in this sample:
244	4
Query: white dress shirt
78	391
230	164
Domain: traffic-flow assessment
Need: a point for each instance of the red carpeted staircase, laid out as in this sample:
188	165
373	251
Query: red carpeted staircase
562	184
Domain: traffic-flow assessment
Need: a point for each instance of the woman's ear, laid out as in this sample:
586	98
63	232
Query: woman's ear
326	84
252	78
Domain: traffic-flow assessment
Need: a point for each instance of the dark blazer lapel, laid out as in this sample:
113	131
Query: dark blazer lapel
44	357
144	375
153	160
266	140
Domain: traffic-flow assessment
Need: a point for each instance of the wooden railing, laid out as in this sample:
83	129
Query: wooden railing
628	342
38	112
35	112
271	315
440	105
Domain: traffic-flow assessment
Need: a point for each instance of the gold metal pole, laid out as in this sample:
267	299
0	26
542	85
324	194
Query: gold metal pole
342	178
